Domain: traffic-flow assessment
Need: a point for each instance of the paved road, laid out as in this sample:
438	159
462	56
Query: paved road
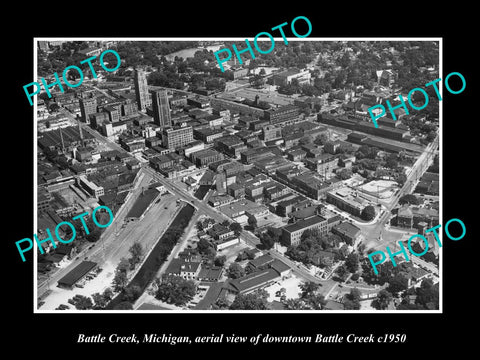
203	208
419	168
108	242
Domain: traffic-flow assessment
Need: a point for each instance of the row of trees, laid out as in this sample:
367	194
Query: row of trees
258	300
120	279
97	301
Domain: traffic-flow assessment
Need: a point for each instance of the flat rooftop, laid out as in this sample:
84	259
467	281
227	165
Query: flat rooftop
77	273
301	224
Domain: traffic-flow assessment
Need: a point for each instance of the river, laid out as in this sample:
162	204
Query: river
188	53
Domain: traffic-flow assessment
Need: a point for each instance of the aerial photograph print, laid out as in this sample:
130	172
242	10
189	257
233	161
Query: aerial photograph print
232	175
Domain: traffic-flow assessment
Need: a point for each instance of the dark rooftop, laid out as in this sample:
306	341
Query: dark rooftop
304	223
77	273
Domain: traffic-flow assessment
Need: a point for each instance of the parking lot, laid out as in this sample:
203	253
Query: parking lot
291	288
86	287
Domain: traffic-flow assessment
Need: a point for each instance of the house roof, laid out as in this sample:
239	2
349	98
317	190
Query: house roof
279	266
304	223
210	273
334	305
190	266
304	213
174	266
254	280
261	260
347	229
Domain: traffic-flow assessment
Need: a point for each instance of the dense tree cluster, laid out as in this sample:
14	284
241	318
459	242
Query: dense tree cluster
175	290
235	271
256	300
149	53
409	199
352	262
311	244
368	213
310	297
269	237
136	253
351	301
424	297
205	248
83	302
384	297
396	277
101	300
120	278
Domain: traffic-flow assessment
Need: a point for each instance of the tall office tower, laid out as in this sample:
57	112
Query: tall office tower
161	108
87	107
144	98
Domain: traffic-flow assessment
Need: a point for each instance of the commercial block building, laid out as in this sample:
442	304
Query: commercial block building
98	119
199	102
207	135
271	132
108	129
90	187
286	77
332	147
87	107
348	200
174	138
347	231
144	99
206	157
323	164
190	148
254	281
284	115
132	143
311	185
231	145
249	156
161	108
292	233
113	113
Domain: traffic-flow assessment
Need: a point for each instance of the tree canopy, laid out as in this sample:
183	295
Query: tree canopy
176	290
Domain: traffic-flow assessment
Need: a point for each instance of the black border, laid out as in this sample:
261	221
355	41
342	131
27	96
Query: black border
59	331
